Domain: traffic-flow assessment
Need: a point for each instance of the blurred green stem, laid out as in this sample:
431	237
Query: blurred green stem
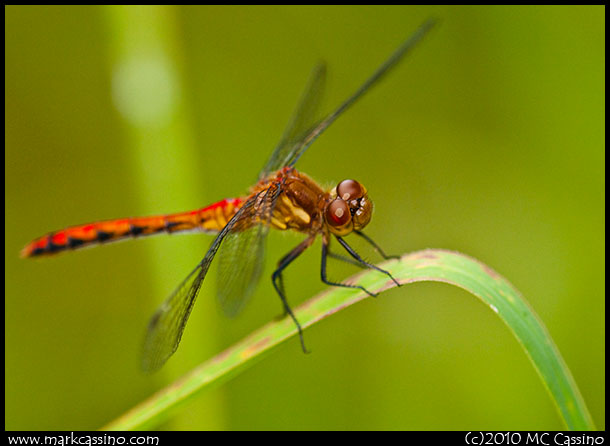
147	91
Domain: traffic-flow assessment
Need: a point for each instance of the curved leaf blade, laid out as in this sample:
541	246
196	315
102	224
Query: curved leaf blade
428	265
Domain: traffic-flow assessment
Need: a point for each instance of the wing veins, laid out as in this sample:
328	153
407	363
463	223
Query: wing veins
283	157
167	325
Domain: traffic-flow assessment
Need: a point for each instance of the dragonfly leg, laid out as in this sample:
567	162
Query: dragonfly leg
355	255
325	253
375	245
345	259
278	282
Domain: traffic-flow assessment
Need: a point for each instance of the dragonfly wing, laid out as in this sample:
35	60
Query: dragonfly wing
240	264
241	257
167	324
289	155
303	120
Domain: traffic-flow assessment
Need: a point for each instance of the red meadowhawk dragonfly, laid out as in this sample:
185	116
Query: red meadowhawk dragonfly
282	199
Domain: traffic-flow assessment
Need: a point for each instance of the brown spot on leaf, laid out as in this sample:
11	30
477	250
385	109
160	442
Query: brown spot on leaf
427	255
255	347
490	272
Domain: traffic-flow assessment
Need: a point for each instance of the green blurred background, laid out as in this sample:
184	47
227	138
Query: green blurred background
488	140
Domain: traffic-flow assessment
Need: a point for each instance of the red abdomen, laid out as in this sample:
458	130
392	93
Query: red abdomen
210	219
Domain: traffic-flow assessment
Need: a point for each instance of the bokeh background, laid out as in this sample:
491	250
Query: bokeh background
488	140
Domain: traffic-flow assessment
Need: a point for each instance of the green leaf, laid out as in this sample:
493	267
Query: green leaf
428	265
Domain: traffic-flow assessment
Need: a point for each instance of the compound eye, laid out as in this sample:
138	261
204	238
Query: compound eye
349	190
337	213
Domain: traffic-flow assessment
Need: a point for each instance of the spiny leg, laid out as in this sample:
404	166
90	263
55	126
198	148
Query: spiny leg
375	245
359	264
278	282
325	253
355	255
345	259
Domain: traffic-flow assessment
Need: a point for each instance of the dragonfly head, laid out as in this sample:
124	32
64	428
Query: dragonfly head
350	208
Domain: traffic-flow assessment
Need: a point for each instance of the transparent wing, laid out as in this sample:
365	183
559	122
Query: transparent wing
240	264
167	324
241	257
302	121
290	153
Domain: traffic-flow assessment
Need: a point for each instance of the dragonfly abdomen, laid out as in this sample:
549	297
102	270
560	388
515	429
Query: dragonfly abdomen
210	219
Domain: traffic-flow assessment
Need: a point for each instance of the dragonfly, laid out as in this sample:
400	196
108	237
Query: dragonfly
282	199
